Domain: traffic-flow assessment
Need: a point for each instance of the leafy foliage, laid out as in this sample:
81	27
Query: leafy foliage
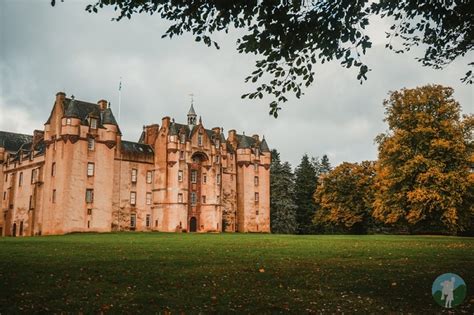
282	206
293	36
345	197
424	173
305	185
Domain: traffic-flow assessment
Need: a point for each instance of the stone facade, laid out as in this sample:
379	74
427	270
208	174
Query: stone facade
78	175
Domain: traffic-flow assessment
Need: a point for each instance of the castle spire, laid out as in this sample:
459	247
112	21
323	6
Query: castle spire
192	113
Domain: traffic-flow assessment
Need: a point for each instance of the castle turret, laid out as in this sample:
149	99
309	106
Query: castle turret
192	116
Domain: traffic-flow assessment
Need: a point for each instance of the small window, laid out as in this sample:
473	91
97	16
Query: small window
203	199
53	197
182	138
149	177
148	220
218	179
20	179
193	198
91	144
134	175
89	195
133	220
255	166
199	139
180	176
89	211
133	198
6	178
218	144
204	178
53	169
256	197
217	158
231	157
181	155
32	205
93	122
193	176
180	198
255	180
257	153
148	198
90	169
68	121
34	175
218	199
4	195
88	224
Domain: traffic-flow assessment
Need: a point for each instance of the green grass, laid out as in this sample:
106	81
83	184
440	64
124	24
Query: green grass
251	273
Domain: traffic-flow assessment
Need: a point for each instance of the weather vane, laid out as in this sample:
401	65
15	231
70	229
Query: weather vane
192	98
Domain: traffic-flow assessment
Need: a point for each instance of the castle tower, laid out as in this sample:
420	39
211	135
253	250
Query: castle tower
192	116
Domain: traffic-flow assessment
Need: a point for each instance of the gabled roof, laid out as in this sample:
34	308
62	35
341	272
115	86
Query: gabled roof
135	147
192	111
245	141
264	146
108	117
12	142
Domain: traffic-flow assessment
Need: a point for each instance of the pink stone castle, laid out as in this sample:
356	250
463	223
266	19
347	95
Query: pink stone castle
78	175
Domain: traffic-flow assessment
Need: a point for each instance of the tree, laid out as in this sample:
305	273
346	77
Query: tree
293	36
305	185
282	206
423	175
324	165
345	197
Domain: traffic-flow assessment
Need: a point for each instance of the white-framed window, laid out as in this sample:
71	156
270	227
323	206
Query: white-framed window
180	176
148	198
68	121
89	195
182	138
199	139
231	157
91	144
218	144
20	179
180	198
255	180
149	177
218	179
93	123
90	169
134	175
53	169
133	220
193	198
204	178
193	176
203	199
133	198
256	197
148	220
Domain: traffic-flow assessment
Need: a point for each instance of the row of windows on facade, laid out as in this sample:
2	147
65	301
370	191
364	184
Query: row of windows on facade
133	220
182	140
92	122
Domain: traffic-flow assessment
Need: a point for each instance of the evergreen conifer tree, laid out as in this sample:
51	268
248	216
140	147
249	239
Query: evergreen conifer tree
305	186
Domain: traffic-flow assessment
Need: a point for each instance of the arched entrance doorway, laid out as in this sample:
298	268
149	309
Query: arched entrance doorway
14	230
192	224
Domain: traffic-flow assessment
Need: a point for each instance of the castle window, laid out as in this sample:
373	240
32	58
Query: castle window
255	180
93	123
133	220
90	169
89	195
180	176
90	144
193	176
6	178
180	198
133	198
204	178
34	175
231	157
88	224
199	139
181	155
68	121
89	211
134	175
257	153
148	198
218	199
4	195
148	220
149	177
256	197
203	199
32	206
182	138
218	158
20	179
218	144
53	169
193	198
218	179
255	166
53	197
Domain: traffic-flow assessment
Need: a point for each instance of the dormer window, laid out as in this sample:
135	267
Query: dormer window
93	123
68	121
218	144
199	139
182	138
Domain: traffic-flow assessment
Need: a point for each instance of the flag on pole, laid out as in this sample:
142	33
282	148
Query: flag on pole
120	85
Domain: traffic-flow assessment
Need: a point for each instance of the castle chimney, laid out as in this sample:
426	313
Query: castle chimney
217	130
102	104
60	96
165	121
256	138
231	135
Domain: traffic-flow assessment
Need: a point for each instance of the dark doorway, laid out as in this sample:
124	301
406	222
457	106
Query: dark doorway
14	230
192	224
21	229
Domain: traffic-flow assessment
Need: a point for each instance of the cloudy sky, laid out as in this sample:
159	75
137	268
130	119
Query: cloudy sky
44	50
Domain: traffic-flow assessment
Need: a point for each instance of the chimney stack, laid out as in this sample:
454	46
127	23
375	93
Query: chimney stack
60	96
165	121
102	104
256	138
217	130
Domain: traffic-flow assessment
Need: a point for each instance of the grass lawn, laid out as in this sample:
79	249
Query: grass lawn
251	273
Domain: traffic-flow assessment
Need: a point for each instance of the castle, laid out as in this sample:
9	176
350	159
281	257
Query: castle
78	175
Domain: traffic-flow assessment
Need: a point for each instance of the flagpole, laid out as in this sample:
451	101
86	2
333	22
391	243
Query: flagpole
120	157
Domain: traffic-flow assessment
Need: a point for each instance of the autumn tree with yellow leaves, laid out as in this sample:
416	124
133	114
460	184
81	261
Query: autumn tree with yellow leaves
345	197
424	176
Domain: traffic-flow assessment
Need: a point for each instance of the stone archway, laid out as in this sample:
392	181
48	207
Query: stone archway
193	224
